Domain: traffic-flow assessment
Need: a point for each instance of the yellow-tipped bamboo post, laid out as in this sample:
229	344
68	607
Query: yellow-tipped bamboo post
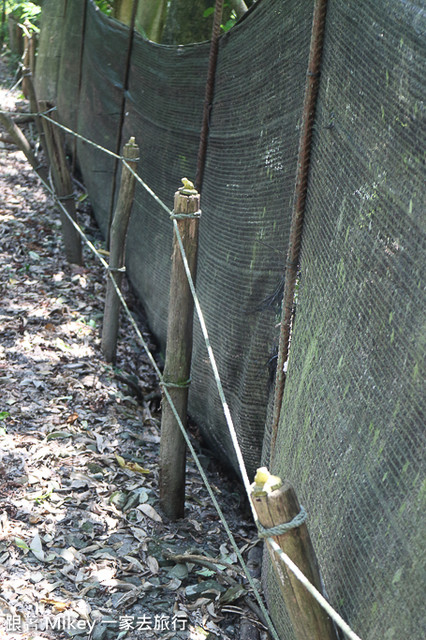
118	235
276	503
178	353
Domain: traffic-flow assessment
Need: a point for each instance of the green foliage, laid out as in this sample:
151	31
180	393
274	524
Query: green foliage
229	23
108	8
24	12
105	6
3	416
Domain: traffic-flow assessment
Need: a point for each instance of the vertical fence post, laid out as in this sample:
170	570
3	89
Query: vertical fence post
28	56
25	62
119	227
3	23
276	503
178	353
63	185
34	106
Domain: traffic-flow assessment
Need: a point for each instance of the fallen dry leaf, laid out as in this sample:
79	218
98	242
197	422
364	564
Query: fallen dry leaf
57	605
149	511
131	466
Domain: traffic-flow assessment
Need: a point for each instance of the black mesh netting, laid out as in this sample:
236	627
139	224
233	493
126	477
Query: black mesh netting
350	437
163	110
248	182
70	69
49	51
100	107
246	213
246	202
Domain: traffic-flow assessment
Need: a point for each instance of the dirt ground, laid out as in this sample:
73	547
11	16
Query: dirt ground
84	548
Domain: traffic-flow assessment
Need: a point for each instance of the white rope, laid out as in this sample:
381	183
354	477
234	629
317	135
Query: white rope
296	571
293	567
175	413
313	591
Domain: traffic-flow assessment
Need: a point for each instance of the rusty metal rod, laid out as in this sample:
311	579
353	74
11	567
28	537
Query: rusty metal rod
208	99
301	186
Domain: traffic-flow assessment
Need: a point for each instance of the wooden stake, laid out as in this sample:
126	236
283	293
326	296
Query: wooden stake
63	185
25	62
34	106
178	355
274	507
28	57
119	227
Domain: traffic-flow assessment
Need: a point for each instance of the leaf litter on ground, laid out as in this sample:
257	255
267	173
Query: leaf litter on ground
83	542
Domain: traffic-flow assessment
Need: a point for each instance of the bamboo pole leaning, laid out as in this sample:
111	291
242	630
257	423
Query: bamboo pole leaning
177	368
118	235
19	139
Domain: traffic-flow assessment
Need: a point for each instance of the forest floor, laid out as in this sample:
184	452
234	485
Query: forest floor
85	551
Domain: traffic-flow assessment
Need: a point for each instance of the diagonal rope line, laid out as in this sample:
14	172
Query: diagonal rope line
313	591
289	563
200	314
175	413
299	575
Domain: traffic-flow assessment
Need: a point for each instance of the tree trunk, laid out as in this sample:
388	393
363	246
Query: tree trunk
150	18
123	10
185	22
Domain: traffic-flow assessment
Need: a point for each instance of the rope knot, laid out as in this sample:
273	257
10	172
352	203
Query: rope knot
279	529
176	385
182	216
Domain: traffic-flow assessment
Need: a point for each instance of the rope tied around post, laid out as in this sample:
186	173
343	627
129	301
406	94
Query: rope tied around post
176	385
70	196
280	529
117	269
183	216
118	234
177	366
125	159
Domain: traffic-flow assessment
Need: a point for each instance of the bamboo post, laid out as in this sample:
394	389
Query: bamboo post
28	56
276	503
3	24
34	106
178	353
32	52
63	186
119	227
25	59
